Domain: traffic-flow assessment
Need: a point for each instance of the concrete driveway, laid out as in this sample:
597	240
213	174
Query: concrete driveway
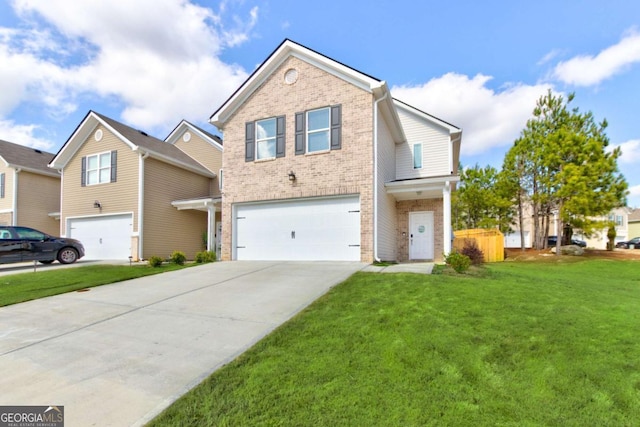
117	355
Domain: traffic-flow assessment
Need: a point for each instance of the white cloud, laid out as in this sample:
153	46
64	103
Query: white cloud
489	119
630	151
159	59
23	135
589	70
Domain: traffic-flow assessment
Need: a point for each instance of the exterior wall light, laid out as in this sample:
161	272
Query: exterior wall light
97	204
292	176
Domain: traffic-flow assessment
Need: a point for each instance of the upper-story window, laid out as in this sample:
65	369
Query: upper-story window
318	128
417	156
99	168
265	139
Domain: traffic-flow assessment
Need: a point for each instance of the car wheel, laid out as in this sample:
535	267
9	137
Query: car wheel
67	256
49	261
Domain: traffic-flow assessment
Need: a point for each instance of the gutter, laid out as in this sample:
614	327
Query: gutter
141	159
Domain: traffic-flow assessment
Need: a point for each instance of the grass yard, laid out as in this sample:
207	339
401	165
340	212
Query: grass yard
518	344
26	286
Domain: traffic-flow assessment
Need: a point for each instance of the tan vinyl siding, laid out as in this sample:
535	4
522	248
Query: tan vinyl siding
205	153
6	203
386	203
337	172
38	195
167	229
435	142
116	197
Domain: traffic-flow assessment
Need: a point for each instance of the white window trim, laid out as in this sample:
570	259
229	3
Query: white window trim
259	140
413	155
309	132
98	155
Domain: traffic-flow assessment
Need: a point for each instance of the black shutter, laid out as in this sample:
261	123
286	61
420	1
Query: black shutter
114	165
300	134
336	127
249	142
83	175
2	185
280	136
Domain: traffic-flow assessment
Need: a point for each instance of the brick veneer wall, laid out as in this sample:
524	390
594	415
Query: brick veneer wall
338	172
403	209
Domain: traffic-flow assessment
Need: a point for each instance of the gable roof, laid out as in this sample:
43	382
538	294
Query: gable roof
634	216
212	139
26	158
289	48
428	117
133	138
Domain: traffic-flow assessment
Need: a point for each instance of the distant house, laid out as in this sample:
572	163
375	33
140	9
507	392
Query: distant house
322	163
633	221
29	190
128	194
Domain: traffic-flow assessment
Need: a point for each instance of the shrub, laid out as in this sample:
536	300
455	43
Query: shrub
205	256
474	253
155	261
178	257
459	262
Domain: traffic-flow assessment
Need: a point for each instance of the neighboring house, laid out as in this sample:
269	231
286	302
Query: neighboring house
599	239
633	221
128	194
321	163
29	190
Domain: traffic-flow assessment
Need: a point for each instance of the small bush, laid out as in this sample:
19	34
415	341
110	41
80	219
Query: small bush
178	257
459	262
474	253
205	256
155	261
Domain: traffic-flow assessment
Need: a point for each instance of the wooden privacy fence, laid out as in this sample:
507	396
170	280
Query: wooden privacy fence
489	241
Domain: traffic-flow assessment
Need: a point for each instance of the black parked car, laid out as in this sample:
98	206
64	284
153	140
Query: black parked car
18	244
551	242
626	245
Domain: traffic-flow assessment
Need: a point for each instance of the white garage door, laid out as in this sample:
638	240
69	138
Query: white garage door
300	230
103	237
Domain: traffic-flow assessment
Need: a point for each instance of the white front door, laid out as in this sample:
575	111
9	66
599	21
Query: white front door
421	235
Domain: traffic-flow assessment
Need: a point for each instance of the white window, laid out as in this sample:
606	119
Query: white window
99	168
318	130
266	139
618	219
417	156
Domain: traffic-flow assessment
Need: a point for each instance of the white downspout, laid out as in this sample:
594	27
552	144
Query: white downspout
375	177
141	201
14	219
446	217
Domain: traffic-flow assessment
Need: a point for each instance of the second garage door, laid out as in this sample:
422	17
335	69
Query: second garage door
323	229
103	237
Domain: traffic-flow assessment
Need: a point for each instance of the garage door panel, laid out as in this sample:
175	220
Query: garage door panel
311	229
106	237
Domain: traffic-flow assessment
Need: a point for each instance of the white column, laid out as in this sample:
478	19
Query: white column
446	217
211	218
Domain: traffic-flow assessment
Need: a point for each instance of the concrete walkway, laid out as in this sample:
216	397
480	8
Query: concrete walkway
117	355
410	267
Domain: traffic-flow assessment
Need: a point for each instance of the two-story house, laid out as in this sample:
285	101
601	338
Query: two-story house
29	190
128	194
321	163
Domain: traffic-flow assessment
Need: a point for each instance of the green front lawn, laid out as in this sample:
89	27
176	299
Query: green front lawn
26	286
522	344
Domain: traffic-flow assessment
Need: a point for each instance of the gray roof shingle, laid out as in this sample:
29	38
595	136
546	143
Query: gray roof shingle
26	157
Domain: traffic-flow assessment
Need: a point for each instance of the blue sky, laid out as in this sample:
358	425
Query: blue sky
478	65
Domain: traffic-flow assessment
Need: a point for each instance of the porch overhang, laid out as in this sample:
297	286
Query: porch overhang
420	188
200	204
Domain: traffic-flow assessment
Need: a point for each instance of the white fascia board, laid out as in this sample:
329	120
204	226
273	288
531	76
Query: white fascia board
52	174
436	121
200	171
79	136
172	139
197	204
420	184
274	61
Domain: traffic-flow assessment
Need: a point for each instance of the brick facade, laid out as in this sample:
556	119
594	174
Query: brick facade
337	172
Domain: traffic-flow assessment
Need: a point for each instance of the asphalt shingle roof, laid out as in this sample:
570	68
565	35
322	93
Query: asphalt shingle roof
26	157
